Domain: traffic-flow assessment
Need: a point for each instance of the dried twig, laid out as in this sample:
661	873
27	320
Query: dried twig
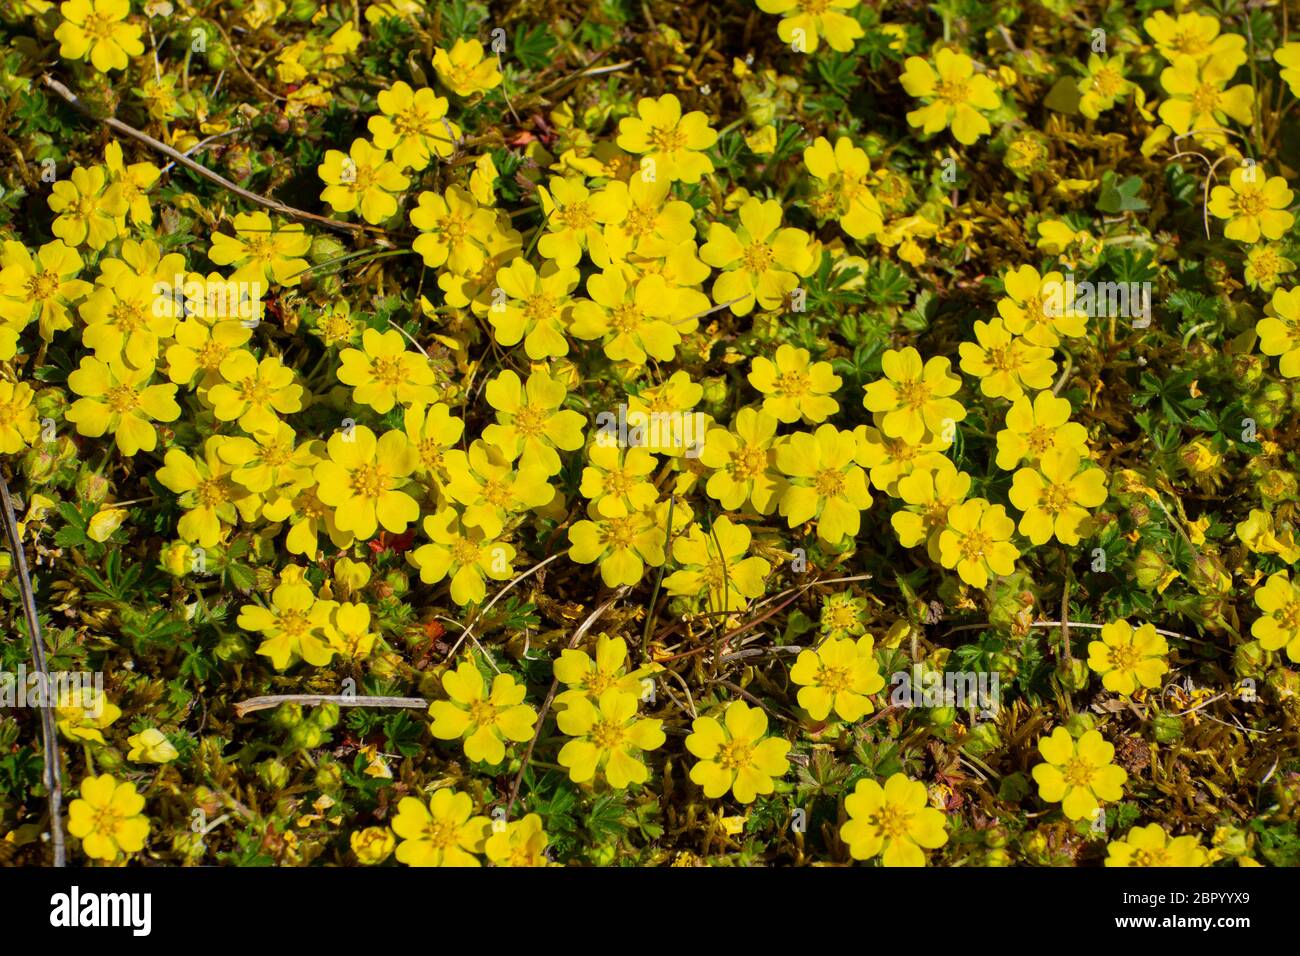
275	700
179	157
49	732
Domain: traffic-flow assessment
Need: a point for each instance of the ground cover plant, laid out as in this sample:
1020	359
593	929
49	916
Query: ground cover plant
791	432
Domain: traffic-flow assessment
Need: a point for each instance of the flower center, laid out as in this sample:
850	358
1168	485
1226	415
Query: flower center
369	481
1040	438
912	394
793	384
952	91
748	462
758	257
735	754
1206	98
42	285
891	821
1288	616
1251	202
829	482
121	399
974	545
1056	498
1077	772
834	679
607	734
388	370
666	139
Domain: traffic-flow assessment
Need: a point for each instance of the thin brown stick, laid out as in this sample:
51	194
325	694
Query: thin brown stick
49	732
351	228
275	700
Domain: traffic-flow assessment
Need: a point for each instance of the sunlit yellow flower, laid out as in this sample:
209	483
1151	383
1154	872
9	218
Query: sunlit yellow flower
825	482
254	393
106	818
466	555
715	562
1288	57
362	479
454	230
485	718
891	459
1199	101
842	190
1152	846
518	843
1055	495
735	754
589	677
623	545
1195	35
151	746
363	179
804	22
1127	657
531	424
373	845
293	626
760	261
1265	266
1279	627
534	307
617	480
743	460
1103	85
672	145
384	373
465	69
1035	428
977	542
633	321
928	494
954	95
98	28
413	126
119	399
432	430
38	287
18	423
840	675
913	397
794	387
260	252
1005	364
209	495
1254	205
576	217
82	713
492	487
1040	307
608	738
892	822
89	208
442	834
1279	330
1078	774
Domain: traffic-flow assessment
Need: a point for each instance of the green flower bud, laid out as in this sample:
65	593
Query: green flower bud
92	488
1150	569
325	716
329	776
1249	660
1167	728
1073	675
1080	723
273	773
943	716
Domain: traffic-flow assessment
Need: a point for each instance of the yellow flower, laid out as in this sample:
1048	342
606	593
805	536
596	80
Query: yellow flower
824	482
671	144
533	307
795	387
484	718
413	126
518	843
760	261
98	28
734	753
892	822
442	834
1103	84
530	423
261	253
151	746
1195	35
454	230
270	462
714	561
1279	331
1040	307
41	287
293	626
1254	205
384	373
253	392
432	430
119	399
83	713
977	542
1152	846
466	70
1288	57
487	483
364	179
805	21
953	93
208	493
18	424
623	544
1279	627
679	429
1005	364
1127	657
362	477
608	738
838	675
134	182
843	615
373	845
743	462
125	320
891	459
913	398
1198	101
929	493
615	480
842	184
589	677
1055	495
654	227
576	216
632	321
89	208
466	554
1035	428
349	630
1078	774
107	818
1265	266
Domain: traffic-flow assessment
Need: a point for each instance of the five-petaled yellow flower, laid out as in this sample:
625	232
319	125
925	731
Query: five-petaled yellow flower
107	818
672	144
840	675
735	754
444	833
954	94
893	822
485	717
1127	657
1079	775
